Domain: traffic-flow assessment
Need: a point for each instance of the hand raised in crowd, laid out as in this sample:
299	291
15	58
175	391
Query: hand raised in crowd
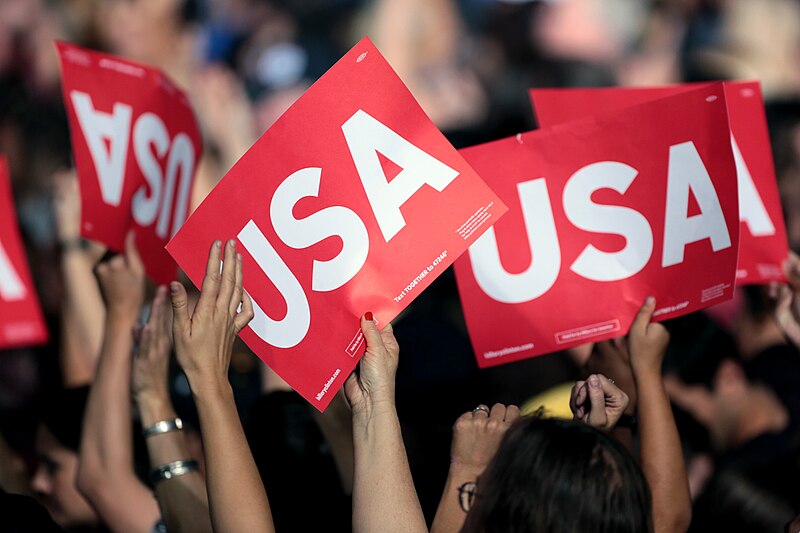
477	434
204	340
374	385
647	342
67	206
660	445
476	437
151	364
598	402
203	345
611	359
121	279
787	309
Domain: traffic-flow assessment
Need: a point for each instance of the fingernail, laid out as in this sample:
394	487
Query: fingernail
232	243
650	300
174	287
593	381
368	316
238	256
217	244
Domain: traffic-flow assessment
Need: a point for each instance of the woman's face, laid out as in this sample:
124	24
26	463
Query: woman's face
53	482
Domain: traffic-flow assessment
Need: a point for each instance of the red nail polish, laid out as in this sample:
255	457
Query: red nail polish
368	316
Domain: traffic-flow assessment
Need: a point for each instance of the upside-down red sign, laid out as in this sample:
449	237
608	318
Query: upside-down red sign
21	320
352	201
763	245
136	145
603	212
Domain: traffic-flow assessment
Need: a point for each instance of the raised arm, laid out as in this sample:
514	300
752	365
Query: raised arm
384	498
476	437
82	307
661	453
203	344
182	497
105	473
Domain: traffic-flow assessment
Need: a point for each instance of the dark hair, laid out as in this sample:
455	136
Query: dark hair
63	415
560	476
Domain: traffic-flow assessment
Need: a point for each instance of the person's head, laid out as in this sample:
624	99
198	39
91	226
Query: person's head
731	397
57	442
560	476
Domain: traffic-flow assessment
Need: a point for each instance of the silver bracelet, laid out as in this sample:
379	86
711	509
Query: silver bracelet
164	426
173	469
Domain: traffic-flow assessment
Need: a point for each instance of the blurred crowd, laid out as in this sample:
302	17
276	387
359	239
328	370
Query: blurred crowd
731	375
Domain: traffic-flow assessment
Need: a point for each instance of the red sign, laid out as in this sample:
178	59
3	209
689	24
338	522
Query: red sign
603	213
763	246
21	321
136	145
352	201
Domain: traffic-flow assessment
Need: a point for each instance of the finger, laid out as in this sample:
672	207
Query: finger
774	290
238	290
583	393
370	331
228	284
498	411
783	307
481	411
791	267
512	413
132	257
246	314
612	391
180	308
597	412
210	288
157	307
644	315
166	316
573	395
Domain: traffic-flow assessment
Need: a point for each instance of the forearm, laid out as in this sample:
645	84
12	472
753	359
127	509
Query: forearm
83	319
449	515
82	299
384	498
183	500
236	496
662	456
105	473
106	447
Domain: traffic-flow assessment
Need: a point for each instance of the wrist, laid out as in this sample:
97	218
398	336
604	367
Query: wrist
374	411
463	470
154	407
205	384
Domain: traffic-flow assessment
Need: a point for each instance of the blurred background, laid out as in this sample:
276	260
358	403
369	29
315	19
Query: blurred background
468	62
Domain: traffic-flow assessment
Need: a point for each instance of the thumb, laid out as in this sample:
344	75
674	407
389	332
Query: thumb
644	315
371	333
597	412
132	256
180	308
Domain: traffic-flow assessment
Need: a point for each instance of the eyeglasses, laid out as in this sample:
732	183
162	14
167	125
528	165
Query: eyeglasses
466	495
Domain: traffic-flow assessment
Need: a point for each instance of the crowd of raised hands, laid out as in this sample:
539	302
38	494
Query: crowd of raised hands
618	466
